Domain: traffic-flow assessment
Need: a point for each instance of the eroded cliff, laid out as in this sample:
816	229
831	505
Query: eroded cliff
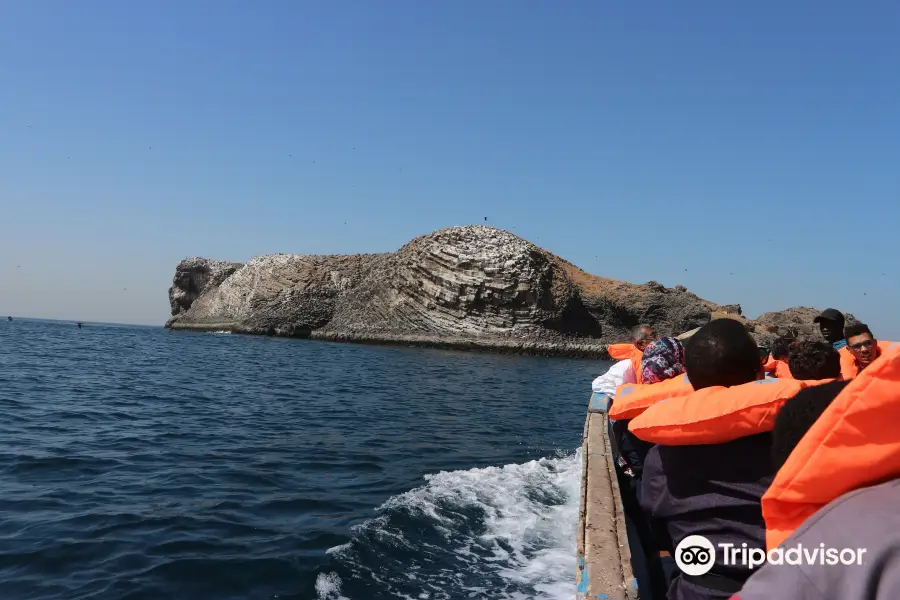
471	286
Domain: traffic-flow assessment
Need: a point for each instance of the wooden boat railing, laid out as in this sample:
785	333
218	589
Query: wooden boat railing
604	555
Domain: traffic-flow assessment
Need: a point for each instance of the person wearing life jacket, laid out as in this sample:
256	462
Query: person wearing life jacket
777	365
831	325
620	373
711	462
661	365
810	360
836	495
798	414
764	356
641	336
663	359
862	348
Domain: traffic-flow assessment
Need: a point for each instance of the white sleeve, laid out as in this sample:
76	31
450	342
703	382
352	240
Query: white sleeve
616	375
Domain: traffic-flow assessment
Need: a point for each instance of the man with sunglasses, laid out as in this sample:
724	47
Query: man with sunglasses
862	348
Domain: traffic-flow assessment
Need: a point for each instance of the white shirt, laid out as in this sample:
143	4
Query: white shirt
619	373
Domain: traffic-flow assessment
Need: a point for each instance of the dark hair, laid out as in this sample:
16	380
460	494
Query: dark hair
814	360
781	347
798	415
721	353
856	329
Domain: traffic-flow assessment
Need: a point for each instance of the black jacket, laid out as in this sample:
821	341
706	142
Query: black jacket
714	491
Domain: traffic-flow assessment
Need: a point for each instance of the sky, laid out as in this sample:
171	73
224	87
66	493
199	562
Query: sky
746	150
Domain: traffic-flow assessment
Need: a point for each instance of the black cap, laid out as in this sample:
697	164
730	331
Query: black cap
830	314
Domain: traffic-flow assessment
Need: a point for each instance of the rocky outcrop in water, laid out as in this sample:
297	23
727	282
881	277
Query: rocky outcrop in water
469	286
463	287
193	276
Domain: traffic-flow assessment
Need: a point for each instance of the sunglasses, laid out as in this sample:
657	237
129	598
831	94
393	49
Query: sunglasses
763	351
863	344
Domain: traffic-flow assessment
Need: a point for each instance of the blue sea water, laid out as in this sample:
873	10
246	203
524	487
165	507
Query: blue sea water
139	463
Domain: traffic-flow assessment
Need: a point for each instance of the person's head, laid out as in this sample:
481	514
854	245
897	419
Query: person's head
862	343
721	353
781	347
663	359
831	324
814	360
798	415
641	336
763	351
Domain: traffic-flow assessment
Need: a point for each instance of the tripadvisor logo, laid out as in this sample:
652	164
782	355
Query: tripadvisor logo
696	555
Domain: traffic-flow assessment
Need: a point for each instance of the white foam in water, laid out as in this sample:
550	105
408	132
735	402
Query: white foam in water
529	528
328	587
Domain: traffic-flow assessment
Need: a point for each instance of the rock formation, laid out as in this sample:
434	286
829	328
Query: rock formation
464	287
794	322
193	276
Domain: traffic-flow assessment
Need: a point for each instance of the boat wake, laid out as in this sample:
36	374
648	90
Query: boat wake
495	532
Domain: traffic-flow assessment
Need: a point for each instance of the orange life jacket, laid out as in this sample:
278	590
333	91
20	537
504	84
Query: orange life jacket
634	398
783	370
849	366
620	351
628	352
854	444
716	415
778	368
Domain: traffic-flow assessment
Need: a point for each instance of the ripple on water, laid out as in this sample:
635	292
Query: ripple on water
142	463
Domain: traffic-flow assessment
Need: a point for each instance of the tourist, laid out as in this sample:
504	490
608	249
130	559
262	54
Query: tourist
864	523
699	484
662	359
777	366
798	415
762	351
814	360
831	325
641	336
861	350
621	372
837	494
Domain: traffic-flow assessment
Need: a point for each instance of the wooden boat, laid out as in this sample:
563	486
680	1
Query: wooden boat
604	553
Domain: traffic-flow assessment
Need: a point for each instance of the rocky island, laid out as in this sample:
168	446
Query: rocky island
461	287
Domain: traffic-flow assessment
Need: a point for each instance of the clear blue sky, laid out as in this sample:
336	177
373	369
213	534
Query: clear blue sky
636	139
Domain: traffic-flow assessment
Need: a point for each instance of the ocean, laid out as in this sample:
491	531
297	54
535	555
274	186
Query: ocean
139	463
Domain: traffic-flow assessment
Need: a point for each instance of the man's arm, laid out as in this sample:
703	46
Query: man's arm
619	373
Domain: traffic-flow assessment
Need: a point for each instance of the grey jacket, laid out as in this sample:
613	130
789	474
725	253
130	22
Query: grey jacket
867	519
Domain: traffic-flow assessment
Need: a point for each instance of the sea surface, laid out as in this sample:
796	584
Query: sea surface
141	463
